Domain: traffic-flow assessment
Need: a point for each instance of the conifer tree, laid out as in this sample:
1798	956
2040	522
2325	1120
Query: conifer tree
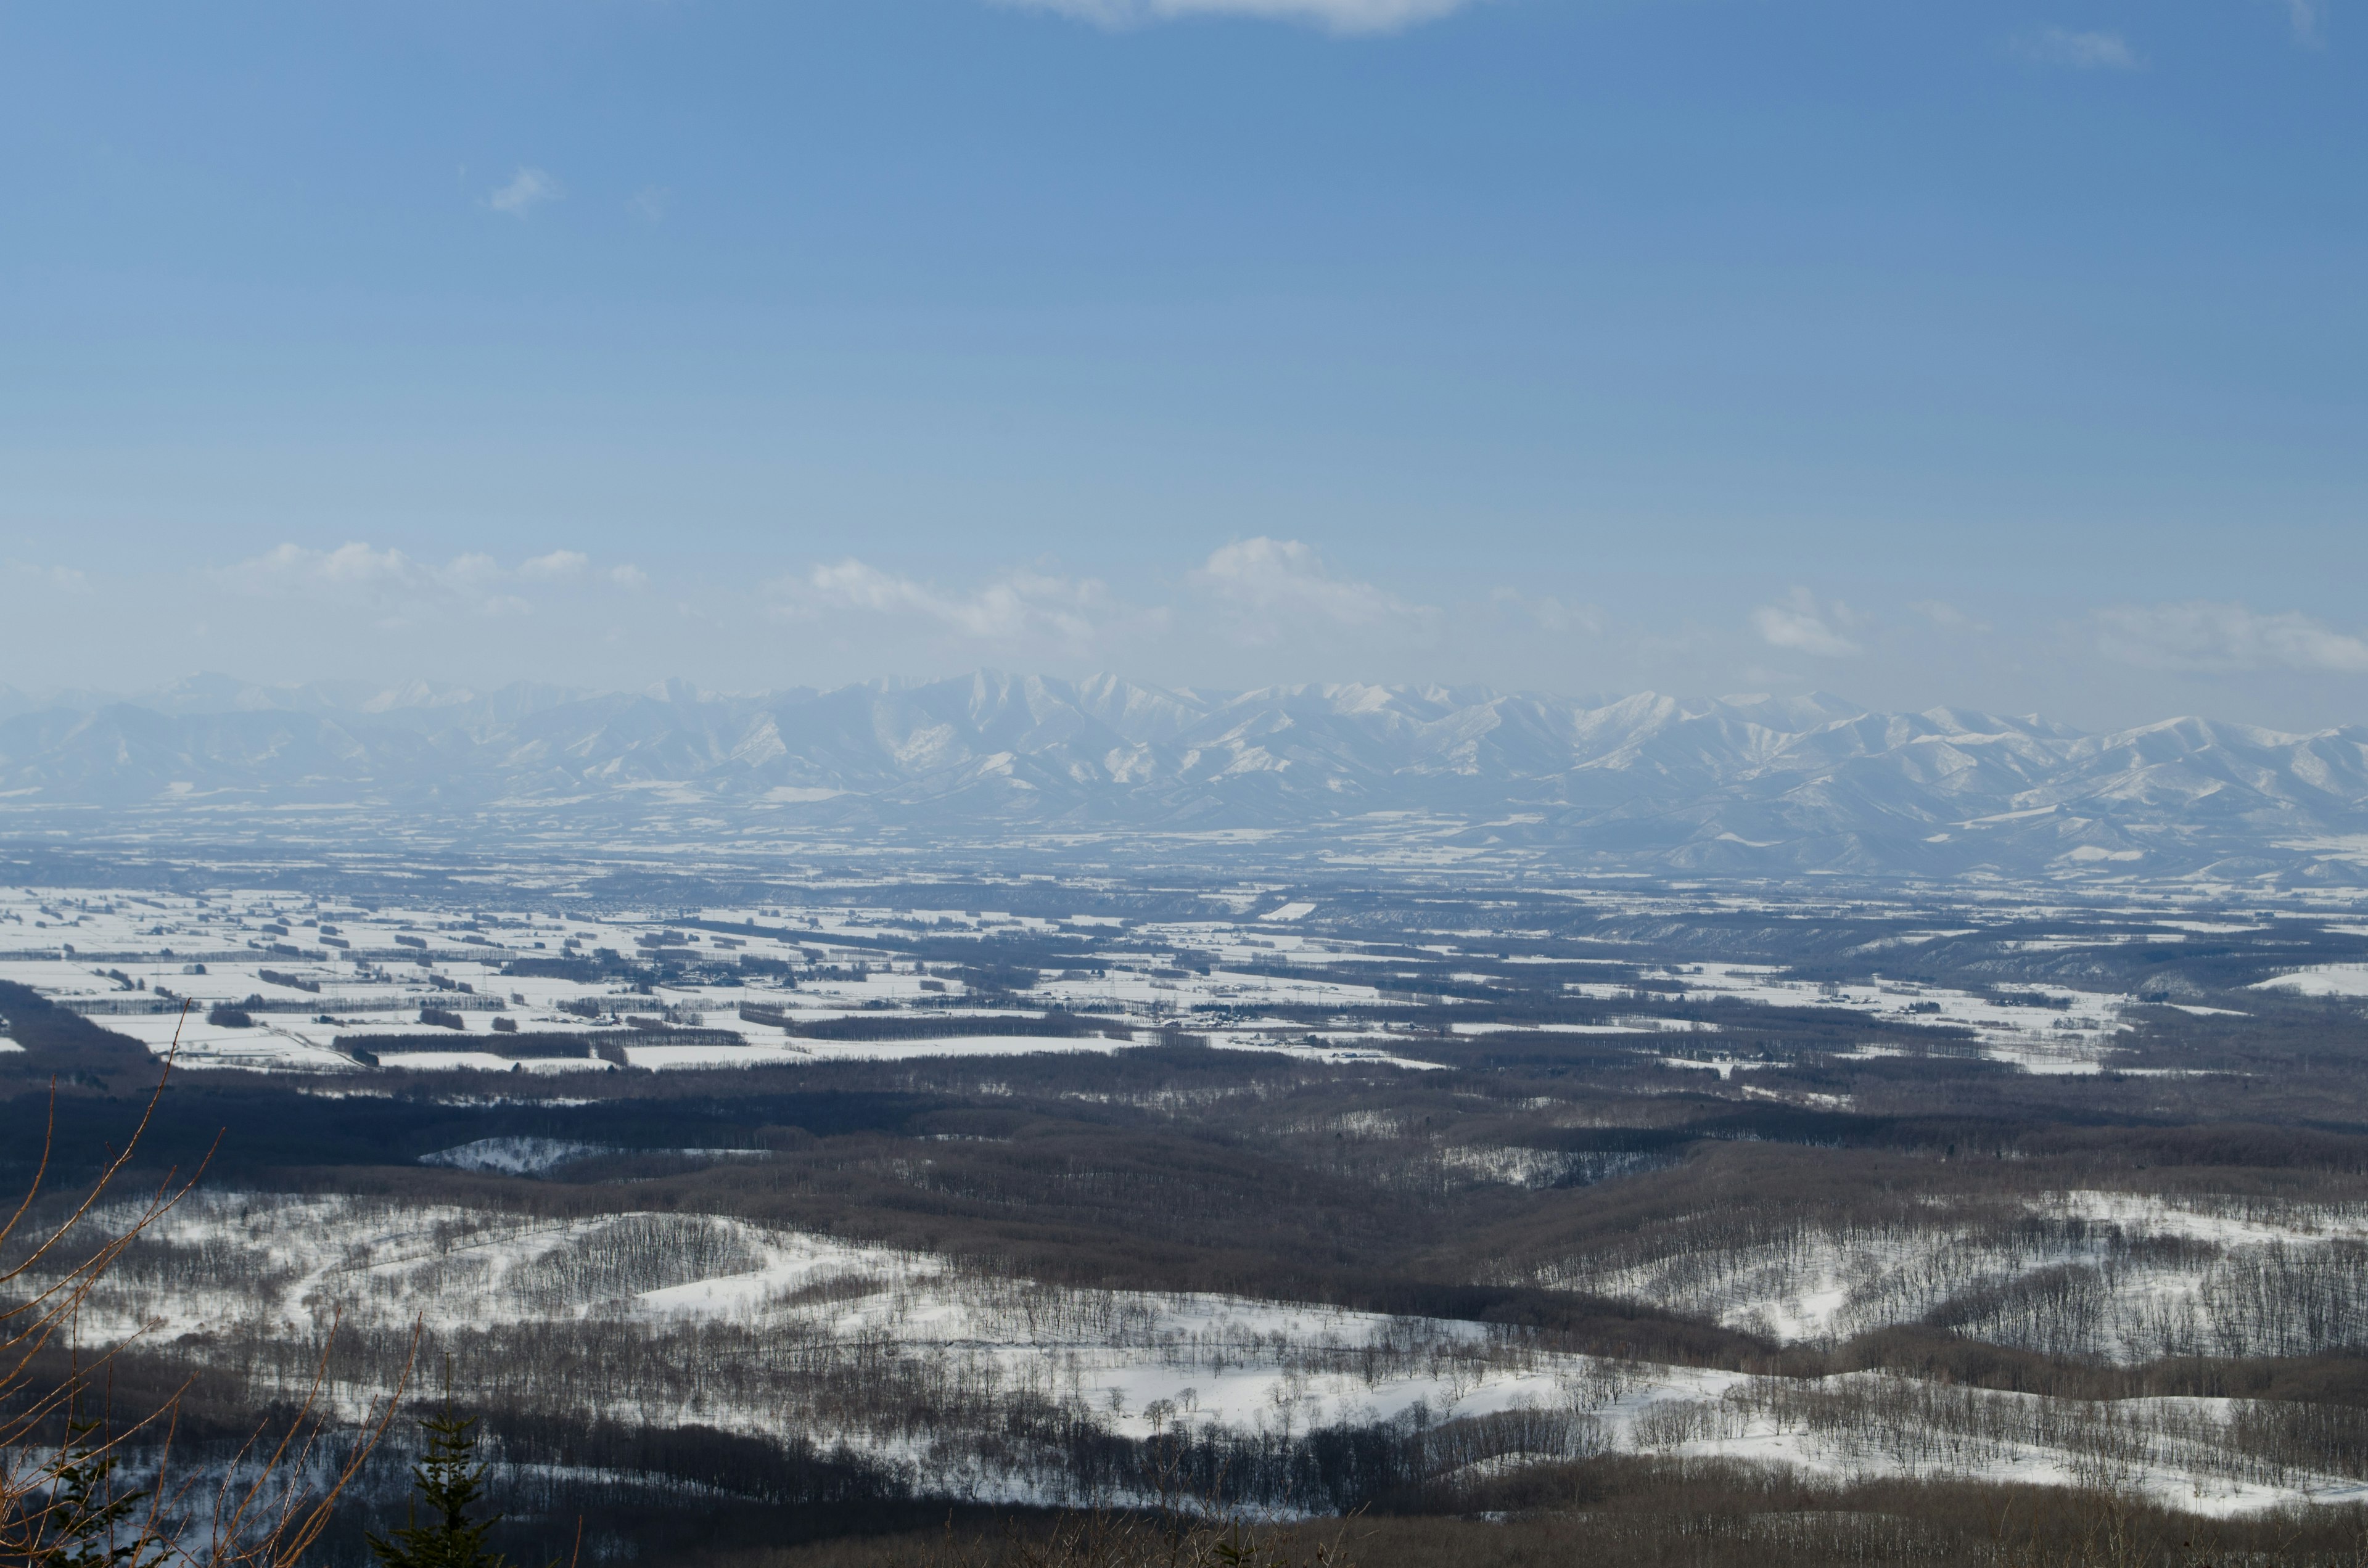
86	1514
448	1481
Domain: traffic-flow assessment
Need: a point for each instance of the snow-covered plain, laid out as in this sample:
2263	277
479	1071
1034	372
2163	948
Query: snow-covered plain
321	981
154	966
322	973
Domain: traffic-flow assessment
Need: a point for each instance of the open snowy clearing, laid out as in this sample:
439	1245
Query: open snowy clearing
2324	980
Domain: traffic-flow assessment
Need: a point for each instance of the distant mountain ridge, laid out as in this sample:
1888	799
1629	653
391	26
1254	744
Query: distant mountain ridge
1734	786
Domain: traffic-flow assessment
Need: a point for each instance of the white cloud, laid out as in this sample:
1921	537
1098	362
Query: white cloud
352	565
390	586
1549	613
472	571
1255	593
2308	19
1334	16
2213	637
398	588
559	564
628	576
1016	606
57	579
649	203
1804	626
2080	51
528	190
1948	617
1267	585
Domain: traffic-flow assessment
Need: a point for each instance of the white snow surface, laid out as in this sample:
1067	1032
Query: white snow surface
512	1157
2126	1302
128	959
2321	980
1135	1361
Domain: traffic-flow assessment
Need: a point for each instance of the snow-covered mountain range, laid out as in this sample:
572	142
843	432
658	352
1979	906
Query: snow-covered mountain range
1741	786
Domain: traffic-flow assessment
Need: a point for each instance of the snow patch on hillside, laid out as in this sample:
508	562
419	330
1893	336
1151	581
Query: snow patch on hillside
1130	1361
2321	980
512	1157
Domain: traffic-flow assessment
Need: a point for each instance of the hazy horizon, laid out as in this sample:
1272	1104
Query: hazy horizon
203	688
1256	613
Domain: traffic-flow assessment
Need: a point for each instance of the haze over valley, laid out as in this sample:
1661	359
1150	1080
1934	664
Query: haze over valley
1748	786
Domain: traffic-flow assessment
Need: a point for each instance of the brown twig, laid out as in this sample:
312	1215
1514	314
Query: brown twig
271	1520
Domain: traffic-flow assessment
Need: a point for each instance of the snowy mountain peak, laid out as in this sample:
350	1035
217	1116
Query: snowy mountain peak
1742	785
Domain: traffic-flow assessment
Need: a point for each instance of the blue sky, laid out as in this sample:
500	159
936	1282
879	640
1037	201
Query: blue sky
2008	356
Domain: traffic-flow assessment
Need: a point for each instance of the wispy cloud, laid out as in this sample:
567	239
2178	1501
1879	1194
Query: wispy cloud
1016	606
1802	625
2080	51
350	565
24	575
400	590
2220	639
1333	15
649	203
1260	594
1548	613
1267	587
2308	20
528	190
472	571
559	565
1948	617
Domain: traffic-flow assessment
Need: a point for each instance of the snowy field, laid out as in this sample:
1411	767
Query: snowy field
316	982
307	975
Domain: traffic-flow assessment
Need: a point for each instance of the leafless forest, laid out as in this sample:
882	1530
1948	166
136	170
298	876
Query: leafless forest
1491	1268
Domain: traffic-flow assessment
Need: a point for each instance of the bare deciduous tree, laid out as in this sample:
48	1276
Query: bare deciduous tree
59	1499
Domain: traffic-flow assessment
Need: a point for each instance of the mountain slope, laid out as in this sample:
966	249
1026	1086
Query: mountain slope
1747	785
